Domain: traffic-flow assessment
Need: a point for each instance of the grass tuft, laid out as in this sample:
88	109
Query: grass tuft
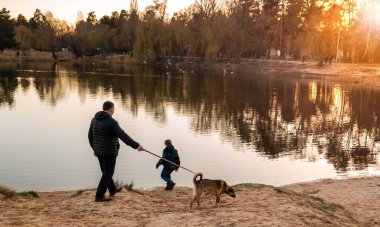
29	194
129	187
7	192
284	191
80	192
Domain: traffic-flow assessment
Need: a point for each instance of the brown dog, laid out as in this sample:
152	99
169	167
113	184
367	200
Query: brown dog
215	187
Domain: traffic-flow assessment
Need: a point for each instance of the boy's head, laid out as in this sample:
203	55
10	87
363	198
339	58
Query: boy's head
168	142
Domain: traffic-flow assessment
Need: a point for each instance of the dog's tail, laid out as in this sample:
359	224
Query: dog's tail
195	177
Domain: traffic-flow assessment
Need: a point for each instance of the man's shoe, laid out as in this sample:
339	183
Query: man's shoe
168	186
117	191
104	199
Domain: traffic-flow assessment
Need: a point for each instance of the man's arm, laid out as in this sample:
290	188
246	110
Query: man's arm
179	160
91	136
124	136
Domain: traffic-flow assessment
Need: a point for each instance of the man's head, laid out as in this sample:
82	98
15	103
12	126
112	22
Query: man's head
168	142
109	107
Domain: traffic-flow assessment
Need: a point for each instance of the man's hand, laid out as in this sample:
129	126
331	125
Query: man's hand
157	166
95	154
140	148
176	170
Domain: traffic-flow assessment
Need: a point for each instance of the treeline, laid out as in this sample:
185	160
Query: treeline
291	29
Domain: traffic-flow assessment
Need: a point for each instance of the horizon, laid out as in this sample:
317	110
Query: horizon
68	10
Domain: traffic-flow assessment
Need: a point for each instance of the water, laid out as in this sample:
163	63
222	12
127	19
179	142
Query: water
240	128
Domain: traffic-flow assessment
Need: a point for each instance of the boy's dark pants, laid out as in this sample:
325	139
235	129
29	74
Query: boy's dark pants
107	165
165	174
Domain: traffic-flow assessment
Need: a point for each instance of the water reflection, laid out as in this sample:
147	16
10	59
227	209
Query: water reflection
275	116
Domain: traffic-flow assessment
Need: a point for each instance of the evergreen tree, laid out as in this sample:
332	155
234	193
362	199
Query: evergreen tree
7	33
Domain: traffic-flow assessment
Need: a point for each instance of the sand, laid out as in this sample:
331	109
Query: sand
352	202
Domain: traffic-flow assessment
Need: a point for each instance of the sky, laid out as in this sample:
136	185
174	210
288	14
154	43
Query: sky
68	9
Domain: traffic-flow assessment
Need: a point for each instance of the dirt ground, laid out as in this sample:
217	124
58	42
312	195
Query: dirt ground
352	202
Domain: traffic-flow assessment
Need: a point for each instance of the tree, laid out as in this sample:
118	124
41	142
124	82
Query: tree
21	20
7	33
105	20
115	17
24	37
37	20
150	34
91	17
240	36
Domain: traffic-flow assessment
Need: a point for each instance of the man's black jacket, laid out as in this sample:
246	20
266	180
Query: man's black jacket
104	134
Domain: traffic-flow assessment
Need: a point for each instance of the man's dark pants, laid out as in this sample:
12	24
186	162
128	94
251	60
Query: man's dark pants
107	165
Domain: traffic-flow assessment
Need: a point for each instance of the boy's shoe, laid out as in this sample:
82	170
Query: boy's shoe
168	186
171	185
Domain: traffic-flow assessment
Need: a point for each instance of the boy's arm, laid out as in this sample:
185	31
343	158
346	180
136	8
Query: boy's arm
161	161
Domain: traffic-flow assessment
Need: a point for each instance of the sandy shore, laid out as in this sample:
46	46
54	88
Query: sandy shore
338	72
352	202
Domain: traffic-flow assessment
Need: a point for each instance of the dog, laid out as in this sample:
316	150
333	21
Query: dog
214	187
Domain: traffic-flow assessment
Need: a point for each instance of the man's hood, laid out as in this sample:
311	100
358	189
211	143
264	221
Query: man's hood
101	115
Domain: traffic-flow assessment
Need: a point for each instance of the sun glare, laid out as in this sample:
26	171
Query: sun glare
373	12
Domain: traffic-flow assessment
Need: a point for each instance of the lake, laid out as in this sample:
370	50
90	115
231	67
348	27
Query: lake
249	128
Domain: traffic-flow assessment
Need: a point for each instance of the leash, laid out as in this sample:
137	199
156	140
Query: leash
168	161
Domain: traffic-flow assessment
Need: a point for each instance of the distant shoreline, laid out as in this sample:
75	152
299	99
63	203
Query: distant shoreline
347	72
349	202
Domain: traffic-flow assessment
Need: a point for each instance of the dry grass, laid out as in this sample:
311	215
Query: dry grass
7	192
29	194
129	187
38	56
80	192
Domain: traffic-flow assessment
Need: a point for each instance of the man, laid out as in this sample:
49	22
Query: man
104	135
171	154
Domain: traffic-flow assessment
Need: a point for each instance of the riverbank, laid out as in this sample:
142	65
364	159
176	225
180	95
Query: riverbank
342	72
351	202
365	74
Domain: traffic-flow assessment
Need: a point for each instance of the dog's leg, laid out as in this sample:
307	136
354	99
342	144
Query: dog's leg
217	200
191	204
194	198
198	198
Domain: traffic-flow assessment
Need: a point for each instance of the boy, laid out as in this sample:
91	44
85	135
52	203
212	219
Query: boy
171	154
